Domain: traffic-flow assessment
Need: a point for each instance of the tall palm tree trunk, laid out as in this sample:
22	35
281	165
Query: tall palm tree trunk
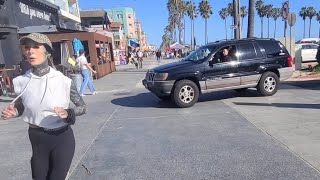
191	34
268	27
242	23
231	33
184	30
261	27
250	31
225	25
206	32
310	28
319	30
304	28
275	29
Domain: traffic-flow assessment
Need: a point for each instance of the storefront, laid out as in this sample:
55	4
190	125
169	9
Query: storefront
99	50
18	16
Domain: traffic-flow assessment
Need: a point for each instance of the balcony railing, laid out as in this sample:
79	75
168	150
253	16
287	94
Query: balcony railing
73	11
62	4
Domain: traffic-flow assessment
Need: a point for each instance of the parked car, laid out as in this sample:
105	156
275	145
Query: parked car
253	63
309	40
308	51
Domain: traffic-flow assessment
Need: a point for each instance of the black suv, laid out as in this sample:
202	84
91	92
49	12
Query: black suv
223	65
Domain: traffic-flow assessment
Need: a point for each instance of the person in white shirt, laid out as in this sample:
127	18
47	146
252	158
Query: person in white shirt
140	56
85	67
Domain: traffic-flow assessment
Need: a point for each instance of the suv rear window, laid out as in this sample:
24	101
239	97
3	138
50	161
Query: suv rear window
272	48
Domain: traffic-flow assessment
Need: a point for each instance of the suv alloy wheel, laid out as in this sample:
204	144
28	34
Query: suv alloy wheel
185	93
268	84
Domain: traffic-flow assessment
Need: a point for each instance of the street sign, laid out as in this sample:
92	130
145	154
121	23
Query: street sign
285	10
291	19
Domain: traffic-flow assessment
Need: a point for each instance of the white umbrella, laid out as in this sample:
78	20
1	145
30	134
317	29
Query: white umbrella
176	46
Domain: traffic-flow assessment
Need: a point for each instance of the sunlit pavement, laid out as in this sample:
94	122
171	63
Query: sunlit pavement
128	133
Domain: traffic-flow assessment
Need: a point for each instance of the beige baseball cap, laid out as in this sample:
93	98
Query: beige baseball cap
39	38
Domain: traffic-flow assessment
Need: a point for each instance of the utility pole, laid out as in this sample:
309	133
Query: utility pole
236	19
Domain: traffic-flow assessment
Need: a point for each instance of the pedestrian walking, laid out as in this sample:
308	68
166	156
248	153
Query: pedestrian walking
140	58
43	101
158	55
85	73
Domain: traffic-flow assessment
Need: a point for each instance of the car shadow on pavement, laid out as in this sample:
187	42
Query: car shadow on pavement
281	105
143	100
308	84
220	95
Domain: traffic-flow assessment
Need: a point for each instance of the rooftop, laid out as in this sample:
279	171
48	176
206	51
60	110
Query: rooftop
92	13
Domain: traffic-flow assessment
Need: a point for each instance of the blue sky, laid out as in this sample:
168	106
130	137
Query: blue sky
153	16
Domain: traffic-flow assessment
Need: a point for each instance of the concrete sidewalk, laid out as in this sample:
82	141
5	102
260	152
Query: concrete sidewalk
291	116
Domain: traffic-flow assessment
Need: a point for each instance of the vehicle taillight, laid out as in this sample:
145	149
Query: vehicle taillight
290	61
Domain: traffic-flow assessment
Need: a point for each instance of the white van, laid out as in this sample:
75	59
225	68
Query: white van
310	40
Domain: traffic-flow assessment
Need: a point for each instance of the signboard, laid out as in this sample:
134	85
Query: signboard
285	10
28	15
291	19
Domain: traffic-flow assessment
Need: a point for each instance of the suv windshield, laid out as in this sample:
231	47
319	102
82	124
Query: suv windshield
200	53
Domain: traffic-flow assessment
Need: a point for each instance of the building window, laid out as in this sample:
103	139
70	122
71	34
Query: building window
129	15
120	16
130	24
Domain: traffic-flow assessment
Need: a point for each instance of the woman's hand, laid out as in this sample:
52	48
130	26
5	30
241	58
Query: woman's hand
95	72
9	112
62	113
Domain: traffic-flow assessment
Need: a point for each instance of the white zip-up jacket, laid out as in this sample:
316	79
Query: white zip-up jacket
40	95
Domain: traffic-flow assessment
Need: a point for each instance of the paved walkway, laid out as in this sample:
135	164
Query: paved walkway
128	133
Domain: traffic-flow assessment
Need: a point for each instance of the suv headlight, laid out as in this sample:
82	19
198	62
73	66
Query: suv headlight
160	76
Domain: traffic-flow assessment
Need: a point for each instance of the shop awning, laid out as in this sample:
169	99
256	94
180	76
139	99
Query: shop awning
134	44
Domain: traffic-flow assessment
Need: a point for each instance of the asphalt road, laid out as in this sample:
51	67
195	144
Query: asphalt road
128	133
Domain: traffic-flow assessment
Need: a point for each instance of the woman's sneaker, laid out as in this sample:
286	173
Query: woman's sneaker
95	92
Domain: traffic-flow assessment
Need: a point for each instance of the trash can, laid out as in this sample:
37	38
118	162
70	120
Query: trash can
77	79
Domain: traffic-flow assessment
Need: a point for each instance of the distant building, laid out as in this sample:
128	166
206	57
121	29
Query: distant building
144	43
97	19
126	16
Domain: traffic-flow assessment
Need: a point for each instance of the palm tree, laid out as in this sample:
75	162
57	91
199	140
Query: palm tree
182	12
318	19
311	12
276	13
268	9
303	14
205	11
244	13
172	20
250	32
260	7
224	14
176	12
231	14
192	13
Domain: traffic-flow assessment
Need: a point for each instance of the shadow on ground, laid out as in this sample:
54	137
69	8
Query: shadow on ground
281	105
141	101
150	100
308	84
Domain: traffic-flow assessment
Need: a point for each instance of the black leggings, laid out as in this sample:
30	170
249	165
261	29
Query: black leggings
52	153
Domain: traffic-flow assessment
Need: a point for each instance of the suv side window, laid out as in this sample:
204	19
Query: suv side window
225	54
247	51
272	48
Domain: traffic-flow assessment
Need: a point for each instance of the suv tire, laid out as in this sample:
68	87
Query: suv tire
268	84
185	93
